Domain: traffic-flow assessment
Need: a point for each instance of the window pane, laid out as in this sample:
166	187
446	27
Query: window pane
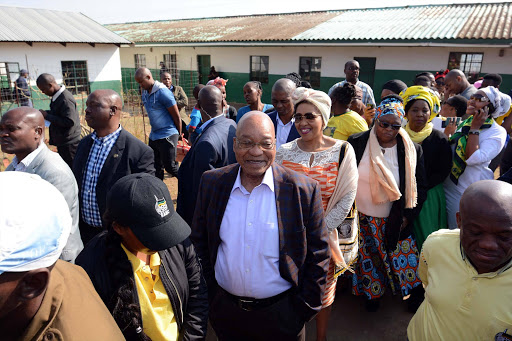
259	68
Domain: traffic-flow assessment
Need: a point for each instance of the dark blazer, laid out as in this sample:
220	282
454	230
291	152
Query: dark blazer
128	155
398	210
65	123
212	149
303	241
437	154
293	135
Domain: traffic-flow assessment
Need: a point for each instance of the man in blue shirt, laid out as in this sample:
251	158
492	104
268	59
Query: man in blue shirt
165	122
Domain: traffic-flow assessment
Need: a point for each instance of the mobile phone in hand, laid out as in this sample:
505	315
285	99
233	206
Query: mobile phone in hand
450	120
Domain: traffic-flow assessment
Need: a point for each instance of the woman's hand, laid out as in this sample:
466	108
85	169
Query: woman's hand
369	114
479	118
450	129
405	222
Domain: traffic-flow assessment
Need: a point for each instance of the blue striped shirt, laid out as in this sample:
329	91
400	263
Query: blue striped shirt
97	156
368	97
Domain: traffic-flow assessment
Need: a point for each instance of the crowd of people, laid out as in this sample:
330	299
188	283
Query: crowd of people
278	205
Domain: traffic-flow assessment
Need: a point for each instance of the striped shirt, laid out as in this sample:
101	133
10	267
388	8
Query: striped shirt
368	97
97	156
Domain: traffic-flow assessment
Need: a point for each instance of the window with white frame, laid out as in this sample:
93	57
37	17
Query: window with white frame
469	63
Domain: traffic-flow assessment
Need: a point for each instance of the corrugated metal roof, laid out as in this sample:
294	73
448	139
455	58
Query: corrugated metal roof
409	23
40	25
245	28
476	21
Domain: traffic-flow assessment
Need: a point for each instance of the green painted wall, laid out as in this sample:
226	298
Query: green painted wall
187	80
237	80
114	85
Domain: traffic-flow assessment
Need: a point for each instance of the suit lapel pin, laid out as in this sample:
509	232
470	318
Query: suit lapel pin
116	155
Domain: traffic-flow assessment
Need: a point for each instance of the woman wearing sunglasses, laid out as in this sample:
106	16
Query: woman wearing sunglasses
475	143
332	163
390	193
421	106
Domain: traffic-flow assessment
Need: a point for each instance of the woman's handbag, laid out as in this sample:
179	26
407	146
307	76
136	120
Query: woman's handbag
348	232
182	149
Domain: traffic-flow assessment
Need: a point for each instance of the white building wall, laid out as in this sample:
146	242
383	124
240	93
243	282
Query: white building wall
103	60
285	59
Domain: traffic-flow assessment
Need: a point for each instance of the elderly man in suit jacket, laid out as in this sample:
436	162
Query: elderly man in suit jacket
282	101
260	235
22	134
212	149
103	157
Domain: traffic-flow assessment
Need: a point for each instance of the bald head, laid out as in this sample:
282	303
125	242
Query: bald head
21	131
47	84
487	196
454	74
485	222
44	79
143	72
455	82
285	85
255	120
210	100
145	79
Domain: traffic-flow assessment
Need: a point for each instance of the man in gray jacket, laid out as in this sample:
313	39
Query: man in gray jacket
22	134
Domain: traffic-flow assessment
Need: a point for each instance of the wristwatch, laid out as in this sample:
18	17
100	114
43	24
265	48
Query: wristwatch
474	132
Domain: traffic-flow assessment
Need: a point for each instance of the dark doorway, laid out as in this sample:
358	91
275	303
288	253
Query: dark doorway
203	67
366	69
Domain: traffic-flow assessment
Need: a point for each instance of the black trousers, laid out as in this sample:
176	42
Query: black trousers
67	152
165	155
279	321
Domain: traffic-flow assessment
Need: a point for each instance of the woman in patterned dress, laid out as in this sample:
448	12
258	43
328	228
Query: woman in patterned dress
390	192
332	163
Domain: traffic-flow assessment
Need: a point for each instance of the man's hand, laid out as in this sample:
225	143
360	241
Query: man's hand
479	118
43	112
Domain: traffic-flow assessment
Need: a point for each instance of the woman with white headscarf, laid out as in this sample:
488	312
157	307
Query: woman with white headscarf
475	143
332	163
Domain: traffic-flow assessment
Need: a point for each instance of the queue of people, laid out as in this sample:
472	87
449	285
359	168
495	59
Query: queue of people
277	204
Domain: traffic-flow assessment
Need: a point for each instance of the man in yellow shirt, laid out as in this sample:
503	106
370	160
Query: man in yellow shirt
467	272
144	267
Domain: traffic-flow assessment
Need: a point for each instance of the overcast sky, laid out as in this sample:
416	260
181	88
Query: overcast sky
115	11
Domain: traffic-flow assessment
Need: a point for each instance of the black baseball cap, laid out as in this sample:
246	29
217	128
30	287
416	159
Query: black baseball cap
143	203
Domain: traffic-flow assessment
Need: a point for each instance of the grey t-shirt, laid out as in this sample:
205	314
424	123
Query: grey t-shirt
470	90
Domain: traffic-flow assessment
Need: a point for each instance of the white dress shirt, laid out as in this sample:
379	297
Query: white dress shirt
205	124
283	130
248	256
57	94
22	165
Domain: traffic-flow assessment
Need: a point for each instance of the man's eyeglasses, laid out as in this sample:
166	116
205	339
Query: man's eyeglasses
246	144
308	116
386	125
479	98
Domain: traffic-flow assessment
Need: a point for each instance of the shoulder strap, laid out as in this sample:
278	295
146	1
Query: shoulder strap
343	149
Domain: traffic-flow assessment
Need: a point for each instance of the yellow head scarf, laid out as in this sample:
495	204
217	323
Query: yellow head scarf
424	93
